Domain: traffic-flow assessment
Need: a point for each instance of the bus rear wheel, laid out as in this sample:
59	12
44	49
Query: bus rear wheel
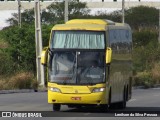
122	104
56	107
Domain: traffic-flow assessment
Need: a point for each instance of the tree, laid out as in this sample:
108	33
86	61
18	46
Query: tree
26	17
53	14
142	16
144	37
136	17
114	16
6	63
21	45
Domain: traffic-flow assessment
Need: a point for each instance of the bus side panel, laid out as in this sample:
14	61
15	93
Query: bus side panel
121	66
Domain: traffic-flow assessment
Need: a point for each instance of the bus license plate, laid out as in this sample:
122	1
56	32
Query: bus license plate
75	98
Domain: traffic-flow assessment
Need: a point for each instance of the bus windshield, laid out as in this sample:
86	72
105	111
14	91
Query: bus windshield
77	67
78	39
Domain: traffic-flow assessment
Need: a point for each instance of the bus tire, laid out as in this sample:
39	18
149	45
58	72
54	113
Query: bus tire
122	104
56	107
79	106
104	108
111	105
127	94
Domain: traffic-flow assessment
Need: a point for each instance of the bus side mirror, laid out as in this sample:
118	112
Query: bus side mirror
44	56
108	55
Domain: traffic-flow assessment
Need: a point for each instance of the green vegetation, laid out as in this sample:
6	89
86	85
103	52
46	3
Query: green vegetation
146	57
17	45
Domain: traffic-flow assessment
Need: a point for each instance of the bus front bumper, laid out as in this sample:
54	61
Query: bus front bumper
91	98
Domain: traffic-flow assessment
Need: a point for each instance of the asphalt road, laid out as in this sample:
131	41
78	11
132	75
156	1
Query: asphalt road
143	100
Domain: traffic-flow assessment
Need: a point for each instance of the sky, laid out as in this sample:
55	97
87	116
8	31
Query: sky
119	0
6	14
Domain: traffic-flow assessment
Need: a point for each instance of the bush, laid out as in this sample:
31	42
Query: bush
35	85
21	81
143	79
2	83
6	64
155	73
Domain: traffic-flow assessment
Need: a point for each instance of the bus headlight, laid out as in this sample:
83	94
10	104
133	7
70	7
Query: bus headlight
98	90
54	89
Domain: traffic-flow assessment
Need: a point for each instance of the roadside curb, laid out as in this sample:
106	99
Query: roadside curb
143	87
20	91
138	87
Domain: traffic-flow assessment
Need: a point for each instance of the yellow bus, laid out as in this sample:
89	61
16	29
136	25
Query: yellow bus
89	62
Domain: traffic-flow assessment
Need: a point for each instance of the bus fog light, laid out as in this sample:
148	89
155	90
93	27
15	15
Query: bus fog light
53	89
53	100
98	90
98	101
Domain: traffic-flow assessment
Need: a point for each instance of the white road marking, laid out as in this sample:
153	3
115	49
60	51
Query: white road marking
132	100
155	95
87	114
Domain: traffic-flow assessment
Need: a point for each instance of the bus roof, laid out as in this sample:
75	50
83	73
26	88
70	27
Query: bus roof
93	27
90	21
86	24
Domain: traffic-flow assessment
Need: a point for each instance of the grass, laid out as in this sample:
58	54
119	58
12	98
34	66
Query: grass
23	80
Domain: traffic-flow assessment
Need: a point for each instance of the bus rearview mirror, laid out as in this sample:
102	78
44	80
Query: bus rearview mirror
44	56
108	55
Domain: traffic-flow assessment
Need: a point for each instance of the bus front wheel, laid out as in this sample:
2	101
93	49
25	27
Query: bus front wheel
56	107
104	108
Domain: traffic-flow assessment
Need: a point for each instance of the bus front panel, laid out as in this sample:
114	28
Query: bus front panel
97	94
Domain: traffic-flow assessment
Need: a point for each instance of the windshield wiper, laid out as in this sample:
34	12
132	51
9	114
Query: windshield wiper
90	81
65	83
50	51
87	84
